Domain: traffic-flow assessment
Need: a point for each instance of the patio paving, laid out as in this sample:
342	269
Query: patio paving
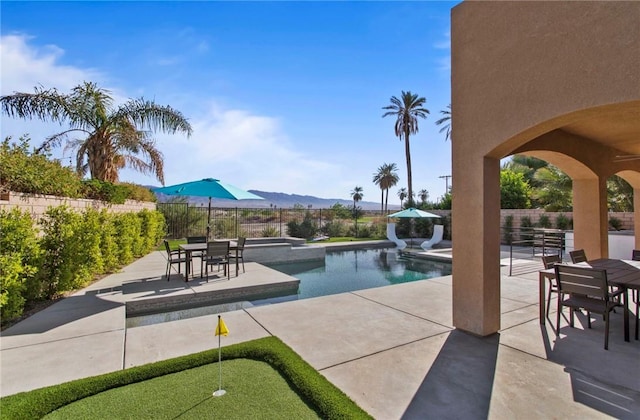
392	349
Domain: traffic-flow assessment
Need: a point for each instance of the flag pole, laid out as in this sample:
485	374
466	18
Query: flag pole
220	392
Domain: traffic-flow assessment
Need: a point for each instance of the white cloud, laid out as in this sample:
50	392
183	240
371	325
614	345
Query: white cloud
247	150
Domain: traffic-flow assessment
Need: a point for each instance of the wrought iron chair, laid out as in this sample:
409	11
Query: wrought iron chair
584	288
173	257
217	253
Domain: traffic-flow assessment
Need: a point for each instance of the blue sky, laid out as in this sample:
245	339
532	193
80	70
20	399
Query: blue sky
282	96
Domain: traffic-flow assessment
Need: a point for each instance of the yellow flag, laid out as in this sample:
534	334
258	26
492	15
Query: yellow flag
221	328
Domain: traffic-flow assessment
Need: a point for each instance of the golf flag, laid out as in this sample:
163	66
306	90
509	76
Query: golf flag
221	328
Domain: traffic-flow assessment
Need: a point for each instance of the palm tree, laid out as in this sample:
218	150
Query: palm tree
385	178
445	122
407	112
402	194
111	137
357	195
424	195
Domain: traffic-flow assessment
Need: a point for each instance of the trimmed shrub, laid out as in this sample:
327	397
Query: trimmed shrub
544	221
108	244
508	229
563	222
615	223
57	273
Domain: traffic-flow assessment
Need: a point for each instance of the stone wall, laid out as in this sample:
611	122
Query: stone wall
37	205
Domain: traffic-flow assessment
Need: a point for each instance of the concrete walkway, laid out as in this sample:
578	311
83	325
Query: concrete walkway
392	349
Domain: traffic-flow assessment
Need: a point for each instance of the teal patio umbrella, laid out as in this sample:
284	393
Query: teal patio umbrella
208	187
413	213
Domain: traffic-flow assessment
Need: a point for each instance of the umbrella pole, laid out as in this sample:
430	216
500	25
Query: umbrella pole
209	219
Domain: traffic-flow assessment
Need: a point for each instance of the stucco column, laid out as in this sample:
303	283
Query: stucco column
636	216
476	239
590	217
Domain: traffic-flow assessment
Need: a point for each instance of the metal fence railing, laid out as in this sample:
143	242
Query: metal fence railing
188	220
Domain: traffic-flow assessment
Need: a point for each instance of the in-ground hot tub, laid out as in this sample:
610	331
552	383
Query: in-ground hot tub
281	249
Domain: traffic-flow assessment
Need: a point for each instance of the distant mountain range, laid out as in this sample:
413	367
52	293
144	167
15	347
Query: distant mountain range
279	200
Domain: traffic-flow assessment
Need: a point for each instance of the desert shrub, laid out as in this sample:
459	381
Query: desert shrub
563	222
105	191
544	221
306	229
334	228
270	232
19	258
615	223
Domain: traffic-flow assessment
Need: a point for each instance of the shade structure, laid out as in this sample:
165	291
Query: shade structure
413	212
208	187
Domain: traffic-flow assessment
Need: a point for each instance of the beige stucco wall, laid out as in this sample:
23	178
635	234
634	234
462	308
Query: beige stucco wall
530	77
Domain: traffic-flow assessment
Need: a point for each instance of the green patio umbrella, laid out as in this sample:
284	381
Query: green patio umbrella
208	187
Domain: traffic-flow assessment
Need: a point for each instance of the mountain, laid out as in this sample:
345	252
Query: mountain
279	200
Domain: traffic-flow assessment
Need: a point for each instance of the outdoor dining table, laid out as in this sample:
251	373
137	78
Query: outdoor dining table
190	248
622	273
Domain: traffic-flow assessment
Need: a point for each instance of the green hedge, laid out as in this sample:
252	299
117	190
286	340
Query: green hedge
329	401
37	173
73	248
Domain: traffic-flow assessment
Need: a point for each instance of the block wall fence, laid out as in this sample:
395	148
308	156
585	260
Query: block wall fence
37	204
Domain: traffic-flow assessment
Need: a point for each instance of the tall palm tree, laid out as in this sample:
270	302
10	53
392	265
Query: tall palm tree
110	137
385	178
445	122
357	195
407	110
402	194
424	195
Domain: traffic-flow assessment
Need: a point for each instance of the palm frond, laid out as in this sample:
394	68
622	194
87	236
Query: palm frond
148	114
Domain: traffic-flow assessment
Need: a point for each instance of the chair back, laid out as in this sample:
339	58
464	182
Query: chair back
241	242
583	281
578	256
196	239
550	260
635	255
167	247
217	249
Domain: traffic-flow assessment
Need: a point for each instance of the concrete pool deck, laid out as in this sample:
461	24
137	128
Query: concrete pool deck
392	349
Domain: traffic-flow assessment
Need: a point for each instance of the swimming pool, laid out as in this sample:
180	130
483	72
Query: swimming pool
346	271
339	272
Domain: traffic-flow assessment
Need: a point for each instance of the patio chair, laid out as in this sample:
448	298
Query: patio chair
549	261
436	238
578	256
391	235
197	254
232	253
584	288
173	257
217	254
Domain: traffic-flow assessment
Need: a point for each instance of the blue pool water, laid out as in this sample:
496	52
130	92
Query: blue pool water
346	271
341	271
